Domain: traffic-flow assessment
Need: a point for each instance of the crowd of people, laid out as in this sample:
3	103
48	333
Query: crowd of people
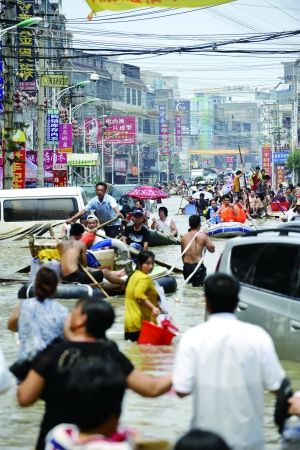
66	359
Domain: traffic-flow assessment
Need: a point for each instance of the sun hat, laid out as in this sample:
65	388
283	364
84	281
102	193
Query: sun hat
92	218
137	212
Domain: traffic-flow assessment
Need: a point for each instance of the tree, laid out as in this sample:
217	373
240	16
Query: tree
293	163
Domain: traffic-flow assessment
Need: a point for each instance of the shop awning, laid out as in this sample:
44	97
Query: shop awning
82	159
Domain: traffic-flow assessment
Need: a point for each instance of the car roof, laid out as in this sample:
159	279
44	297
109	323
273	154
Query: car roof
287	235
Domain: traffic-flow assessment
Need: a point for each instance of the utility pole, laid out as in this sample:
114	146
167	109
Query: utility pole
8	103
41	111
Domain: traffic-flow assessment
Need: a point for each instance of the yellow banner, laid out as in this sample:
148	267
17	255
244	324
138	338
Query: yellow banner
121	5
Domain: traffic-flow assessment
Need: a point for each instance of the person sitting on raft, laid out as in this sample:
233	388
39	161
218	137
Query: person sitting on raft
240	213
163	224
226	211
74	259
141	298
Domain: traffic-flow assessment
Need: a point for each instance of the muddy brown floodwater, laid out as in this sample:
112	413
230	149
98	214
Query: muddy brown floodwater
166	417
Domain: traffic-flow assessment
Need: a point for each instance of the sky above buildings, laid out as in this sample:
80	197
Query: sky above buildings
236	20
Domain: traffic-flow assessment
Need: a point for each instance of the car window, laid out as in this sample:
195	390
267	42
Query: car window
22	210
269	266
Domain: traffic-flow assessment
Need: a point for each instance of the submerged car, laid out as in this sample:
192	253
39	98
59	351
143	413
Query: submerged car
267	267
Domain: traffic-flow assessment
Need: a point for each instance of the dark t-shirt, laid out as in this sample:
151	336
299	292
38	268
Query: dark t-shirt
139	237
55	363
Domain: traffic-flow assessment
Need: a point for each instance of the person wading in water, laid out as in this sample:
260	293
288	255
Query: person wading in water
194	253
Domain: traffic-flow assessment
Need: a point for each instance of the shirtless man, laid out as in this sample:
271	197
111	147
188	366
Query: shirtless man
73	254
193	255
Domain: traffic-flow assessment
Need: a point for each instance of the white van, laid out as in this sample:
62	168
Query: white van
29	211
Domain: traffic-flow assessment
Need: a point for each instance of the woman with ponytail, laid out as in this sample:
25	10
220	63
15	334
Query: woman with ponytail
39	321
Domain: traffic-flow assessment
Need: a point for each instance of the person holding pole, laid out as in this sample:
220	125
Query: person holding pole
193	267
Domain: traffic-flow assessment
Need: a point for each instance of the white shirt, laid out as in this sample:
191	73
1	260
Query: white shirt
291	214
226	364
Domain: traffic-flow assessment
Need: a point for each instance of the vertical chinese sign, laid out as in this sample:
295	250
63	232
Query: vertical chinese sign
60	174
1	111
65	138
25	49
266	158
19	169
48	167
178	131
164	150
279	175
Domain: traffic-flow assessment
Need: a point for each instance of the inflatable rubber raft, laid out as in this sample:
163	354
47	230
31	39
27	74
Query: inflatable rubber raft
76	290
229	230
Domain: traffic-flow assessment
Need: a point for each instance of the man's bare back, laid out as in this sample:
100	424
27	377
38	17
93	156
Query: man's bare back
194	253
72	253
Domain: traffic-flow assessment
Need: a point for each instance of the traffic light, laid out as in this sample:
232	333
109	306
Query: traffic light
18	100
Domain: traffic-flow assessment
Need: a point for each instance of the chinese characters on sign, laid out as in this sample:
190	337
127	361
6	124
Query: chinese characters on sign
266	159
280	157
1	80
60	161
65	138
19	169
120	130
52	127
54	80
178	131
279	171
27	75
164	149
184	109
120	5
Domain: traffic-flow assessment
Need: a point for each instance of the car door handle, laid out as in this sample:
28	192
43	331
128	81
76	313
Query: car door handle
295	325
242	306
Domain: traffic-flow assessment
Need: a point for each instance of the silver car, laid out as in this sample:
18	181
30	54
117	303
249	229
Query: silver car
267	266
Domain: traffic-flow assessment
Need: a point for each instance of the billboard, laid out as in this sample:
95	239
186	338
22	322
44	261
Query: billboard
178	131
52	126
183	108
120	130
266	159
164	149
26	47
19	169
65	138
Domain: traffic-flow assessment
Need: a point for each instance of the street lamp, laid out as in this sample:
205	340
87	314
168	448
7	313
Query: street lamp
58	96
22	24
76	107
139	148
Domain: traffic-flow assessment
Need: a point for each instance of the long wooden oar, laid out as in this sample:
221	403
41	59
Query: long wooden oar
93	279
190	243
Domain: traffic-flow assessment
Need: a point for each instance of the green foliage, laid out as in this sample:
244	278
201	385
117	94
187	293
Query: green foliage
293	161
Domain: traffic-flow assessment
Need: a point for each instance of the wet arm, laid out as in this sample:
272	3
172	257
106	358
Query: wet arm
30	390
113	278
76	216
118	212
209	245
12	323
148	386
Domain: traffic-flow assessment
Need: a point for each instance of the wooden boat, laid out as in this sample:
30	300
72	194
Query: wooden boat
158	239
229	230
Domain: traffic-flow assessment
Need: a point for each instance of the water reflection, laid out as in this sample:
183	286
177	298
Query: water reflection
166	417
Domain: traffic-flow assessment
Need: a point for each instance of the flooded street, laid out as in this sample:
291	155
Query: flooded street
166	417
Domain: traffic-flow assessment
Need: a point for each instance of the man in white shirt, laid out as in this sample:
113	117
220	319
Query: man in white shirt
226	364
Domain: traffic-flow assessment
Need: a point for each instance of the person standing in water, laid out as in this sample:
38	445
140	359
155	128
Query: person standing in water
196	242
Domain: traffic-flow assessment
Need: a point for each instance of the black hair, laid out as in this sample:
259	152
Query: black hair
141	202
221	292
194	221
164	210
101	183
76	229
142	258
257	168
100	316
201	440
96	388
240	198
238	172
45	284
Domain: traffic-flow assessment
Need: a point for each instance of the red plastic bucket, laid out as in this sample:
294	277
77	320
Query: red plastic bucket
154	335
